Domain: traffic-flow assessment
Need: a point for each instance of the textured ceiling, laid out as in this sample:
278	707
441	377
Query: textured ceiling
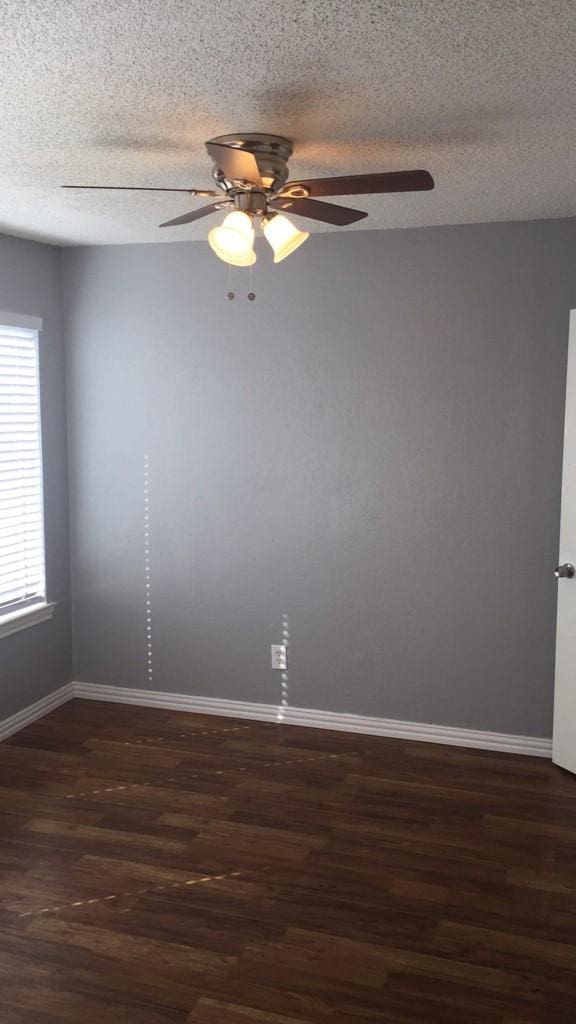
481	93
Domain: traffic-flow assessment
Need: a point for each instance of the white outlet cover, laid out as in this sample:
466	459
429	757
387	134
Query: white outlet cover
279	657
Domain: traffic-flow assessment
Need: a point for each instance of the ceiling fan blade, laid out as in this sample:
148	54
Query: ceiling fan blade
237	164
202	192
187	218
362	184
328	212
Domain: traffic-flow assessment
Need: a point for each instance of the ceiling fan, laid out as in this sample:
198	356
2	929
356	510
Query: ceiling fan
251	173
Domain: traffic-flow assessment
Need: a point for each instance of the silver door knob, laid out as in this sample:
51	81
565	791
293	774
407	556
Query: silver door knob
565	571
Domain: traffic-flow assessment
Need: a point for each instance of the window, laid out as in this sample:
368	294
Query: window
22	565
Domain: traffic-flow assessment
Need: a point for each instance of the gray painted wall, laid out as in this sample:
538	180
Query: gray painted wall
38	660
373	448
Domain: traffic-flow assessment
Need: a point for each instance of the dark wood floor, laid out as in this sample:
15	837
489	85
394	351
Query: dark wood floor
162	868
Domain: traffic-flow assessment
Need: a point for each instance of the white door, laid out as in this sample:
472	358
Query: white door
564	740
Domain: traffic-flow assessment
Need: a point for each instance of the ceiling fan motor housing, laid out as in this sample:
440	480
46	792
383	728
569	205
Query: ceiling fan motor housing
271	152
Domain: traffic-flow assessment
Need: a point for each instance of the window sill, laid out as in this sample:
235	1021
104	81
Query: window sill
26	617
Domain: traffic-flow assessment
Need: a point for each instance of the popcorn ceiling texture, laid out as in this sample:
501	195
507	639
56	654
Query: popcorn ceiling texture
480	92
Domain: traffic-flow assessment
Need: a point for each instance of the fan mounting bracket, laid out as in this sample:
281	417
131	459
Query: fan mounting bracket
296	192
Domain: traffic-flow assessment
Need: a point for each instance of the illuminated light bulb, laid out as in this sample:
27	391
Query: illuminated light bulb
283	236
233	240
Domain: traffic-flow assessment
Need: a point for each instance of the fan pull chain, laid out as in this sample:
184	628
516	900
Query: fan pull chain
230	294
251	294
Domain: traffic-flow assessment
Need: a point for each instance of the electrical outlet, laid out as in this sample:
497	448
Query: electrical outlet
278	652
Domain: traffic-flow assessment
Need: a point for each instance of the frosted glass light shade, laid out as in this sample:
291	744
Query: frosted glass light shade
283	236
233	240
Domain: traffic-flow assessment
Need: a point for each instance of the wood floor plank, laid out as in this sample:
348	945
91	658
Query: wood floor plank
212	1011
123	946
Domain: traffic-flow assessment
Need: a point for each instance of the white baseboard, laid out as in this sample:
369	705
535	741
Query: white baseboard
339	721
35	711
534	745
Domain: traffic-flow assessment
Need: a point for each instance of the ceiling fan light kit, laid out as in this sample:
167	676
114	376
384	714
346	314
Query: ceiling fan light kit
251	175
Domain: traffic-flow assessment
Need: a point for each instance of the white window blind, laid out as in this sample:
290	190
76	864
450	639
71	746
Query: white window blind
22	568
